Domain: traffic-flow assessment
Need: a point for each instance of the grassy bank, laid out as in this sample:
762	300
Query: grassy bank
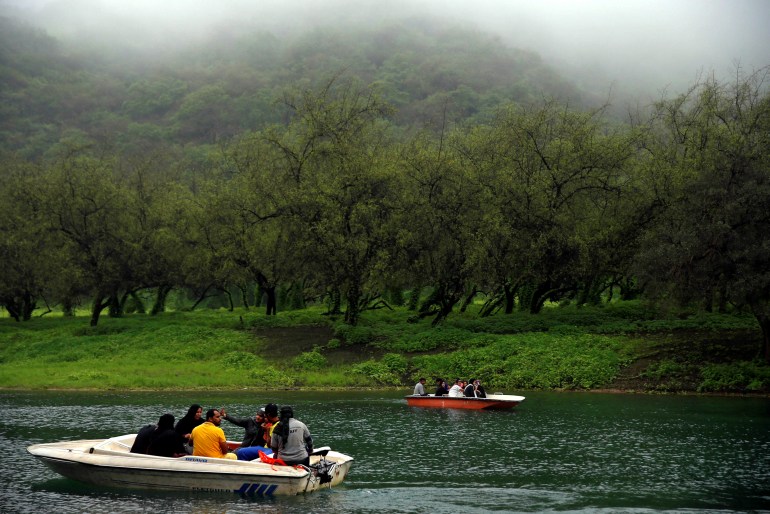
622	346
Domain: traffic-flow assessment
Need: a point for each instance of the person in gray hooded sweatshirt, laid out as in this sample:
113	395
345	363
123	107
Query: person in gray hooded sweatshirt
291	439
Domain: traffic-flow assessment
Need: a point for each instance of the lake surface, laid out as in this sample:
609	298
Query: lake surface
565	452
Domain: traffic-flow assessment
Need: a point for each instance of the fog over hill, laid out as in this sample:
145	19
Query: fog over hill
639	47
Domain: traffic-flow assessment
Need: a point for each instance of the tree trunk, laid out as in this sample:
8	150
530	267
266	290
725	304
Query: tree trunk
68	307
137	303
116	307
244	296
202	297
335	302
229	296
11	306
491	305
510	298
445	308
160	299
469	299
539	296
353	310
97	308
271	305
27	306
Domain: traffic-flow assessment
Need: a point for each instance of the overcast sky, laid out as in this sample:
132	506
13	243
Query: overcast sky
654	43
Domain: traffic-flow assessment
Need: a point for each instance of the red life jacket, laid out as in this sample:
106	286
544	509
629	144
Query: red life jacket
270	460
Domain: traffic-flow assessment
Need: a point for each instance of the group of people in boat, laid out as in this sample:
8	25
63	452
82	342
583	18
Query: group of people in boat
461	388
271	434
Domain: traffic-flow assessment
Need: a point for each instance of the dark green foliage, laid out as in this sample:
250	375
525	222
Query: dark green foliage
424	72
387	371
738	376
312	360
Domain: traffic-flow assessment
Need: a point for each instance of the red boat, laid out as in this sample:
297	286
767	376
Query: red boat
491	402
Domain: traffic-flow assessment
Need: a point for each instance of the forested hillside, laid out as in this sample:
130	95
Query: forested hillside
222	86
369	165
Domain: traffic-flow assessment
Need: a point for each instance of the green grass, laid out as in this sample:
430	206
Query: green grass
561	348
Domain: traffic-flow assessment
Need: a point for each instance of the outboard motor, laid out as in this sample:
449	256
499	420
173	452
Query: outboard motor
323	470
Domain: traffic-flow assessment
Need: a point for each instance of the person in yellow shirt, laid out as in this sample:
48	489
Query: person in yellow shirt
209	440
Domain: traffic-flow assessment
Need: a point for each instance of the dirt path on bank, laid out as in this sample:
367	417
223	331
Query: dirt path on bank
283	343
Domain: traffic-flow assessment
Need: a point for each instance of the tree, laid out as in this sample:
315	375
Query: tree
26	259
712	242
85	206
549	177
253	229
335	162
442	210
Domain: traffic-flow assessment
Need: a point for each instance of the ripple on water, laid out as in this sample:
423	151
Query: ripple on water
572	453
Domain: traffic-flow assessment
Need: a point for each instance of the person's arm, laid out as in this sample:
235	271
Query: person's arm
232	419
223	444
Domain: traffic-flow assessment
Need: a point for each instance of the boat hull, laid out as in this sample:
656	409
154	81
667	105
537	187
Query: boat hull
491	402
98	463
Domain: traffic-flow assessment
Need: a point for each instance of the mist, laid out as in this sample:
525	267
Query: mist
641	47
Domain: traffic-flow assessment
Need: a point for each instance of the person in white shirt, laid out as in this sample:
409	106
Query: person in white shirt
456	391
419	388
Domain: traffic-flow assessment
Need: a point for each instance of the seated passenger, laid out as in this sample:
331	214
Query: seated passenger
419	388
254	435
456	390
291	440
441	388
192	419
474	389
143	439
209	440
166	442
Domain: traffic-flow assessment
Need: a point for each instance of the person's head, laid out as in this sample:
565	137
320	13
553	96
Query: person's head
439	381
477	382
283	428
260	415
166	422
194	411
271	412
422	380
472	381
212	416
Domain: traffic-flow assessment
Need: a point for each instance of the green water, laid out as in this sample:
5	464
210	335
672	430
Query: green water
559	452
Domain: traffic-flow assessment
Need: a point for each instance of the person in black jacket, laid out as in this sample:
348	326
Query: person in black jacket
441	388
254	435
474	389
192	419
167	442
143	439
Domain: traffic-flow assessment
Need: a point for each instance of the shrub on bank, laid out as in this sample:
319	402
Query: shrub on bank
735	376
533	361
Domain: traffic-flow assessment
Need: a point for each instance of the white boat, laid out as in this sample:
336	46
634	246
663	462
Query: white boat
108	462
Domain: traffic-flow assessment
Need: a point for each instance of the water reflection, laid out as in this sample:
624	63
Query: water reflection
567	452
